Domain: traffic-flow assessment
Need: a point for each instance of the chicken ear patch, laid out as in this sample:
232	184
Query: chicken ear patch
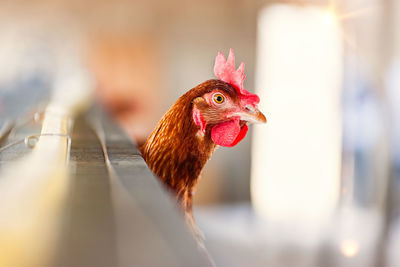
198	120
228	133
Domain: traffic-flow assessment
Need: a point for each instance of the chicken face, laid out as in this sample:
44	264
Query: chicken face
227	113
226	106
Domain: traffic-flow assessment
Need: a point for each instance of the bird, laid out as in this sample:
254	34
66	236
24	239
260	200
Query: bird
214	113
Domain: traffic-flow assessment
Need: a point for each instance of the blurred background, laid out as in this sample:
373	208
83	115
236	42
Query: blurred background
318	185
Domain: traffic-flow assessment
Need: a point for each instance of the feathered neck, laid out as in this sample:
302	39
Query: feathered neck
175	152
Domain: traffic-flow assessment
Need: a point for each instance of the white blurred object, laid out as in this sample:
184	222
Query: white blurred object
296	157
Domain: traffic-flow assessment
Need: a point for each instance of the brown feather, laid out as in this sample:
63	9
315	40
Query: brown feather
174	151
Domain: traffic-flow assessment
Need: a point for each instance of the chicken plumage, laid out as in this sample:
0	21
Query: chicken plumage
215	112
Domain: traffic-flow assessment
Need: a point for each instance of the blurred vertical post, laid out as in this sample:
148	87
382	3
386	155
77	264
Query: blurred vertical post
296	158
390	252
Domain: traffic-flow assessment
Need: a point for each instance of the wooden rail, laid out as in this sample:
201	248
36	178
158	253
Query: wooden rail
93	204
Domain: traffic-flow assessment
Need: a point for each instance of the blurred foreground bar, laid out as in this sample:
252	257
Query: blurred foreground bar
117	213
114	212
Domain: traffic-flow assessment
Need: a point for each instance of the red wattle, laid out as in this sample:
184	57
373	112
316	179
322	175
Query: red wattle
241	135
228	133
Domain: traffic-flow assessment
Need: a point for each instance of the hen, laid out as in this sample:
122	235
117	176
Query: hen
215	112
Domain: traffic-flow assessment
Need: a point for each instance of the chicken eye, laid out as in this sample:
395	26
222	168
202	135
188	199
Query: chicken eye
219	98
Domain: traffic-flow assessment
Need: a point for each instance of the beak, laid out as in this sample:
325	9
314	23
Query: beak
250	114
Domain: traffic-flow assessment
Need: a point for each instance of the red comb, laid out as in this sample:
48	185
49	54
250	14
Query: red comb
225	71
